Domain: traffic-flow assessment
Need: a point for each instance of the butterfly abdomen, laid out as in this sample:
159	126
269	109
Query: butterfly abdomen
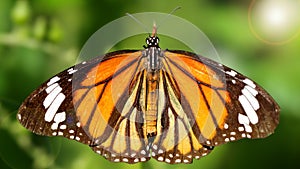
151	104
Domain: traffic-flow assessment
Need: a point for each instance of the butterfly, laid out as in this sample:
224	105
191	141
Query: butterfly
131	105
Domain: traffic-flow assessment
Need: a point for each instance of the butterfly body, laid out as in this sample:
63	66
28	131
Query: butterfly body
130	105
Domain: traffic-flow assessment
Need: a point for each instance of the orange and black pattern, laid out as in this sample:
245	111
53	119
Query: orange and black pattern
171	105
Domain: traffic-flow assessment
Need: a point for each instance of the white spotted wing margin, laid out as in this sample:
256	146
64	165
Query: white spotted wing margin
253	113
49	109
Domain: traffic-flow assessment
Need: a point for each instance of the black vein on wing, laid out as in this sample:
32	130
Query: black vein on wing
166	121
105	82
215	89
120	118
192	77
183	101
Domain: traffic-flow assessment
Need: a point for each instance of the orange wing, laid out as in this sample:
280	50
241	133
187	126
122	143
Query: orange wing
224	104
98	102
108	103
207	104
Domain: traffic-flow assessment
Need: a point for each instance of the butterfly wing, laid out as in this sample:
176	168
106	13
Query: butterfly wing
86	103
109	101
207	104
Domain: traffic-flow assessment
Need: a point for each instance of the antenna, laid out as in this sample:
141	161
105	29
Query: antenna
138	21
173	11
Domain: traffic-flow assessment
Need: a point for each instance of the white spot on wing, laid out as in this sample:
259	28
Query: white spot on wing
241	128
72	70
54	126
248	109
185	160
245	121
54	107
19	116
178	160
226	126
248	128
249	82
160	158
251	90
53	80
51	96
60	117
51	87
63	127
253	101
232	73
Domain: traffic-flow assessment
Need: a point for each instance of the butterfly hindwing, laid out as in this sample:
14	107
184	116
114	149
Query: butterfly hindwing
175	141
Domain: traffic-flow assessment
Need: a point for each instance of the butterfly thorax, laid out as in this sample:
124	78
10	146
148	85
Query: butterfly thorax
153	53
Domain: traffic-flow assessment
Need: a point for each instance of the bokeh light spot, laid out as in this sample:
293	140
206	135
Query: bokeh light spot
275	21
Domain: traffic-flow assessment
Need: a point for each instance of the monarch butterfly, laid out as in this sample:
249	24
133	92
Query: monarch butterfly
131	105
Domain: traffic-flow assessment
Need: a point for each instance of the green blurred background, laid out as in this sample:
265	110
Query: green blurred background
40	38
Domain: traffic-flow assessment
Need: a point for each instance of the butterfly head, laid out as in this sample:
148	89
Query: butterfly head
153	40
